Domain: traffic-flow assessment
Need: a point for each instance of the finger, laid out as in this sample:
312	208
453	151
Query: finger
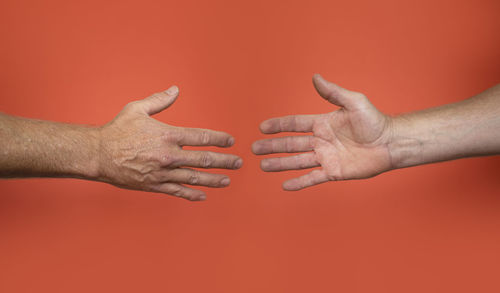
195	177
289	144
205	159
313	178
180	191
297	162
159	101
337	95
293	123
203	137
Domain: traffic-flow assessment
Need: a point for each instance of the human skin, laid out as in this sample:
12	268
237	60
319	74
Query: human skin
133	151
357	141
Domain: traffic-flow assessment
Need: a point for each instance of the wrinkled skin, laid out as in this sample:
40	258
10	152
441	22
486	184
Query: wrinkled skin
349	143
139	152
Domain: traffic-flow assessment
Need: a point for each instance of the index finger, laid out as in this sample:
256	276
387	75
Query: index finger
292	123
203	137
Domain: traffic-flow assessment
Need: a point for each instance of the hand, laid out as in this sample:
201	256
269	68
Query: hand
139	152
349	143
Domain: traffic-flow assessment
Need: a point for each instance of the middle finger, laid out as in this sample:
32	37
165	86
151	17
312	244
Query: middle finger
206	159
288	144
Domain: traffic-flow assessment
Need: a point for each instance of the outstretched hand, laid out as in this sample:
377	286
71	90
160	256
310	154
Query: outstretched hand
139	152
349	143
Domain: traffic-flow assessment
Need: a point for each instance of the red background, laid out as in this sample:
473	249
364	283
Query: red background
432	228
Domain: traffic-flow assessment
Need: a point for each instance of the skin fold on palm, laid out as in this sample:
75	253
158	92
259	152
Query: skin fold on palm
349	143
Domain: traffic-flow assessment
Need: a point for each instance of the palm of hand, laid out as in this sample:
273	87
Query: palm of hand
351	145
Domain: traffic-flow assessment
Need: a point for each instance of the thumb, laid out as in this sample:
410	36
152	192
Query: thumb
337	95
160	101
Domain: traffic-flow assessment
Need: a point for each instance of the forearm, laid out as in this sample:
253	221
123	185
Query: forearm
464	129
34	148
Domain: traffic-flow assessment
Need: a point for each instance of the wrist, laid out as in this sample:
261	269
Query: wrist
405	146
91	159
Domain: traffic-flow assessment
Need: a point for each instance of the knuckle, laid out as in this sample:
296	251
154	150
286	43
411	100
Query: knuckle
205	138
332	177
177	136
153	177
141	180
166	138
274	145
131	106
152	188
235	162
219	181
206	160
230	163
156	96
150	157
194	178
168	160
176	190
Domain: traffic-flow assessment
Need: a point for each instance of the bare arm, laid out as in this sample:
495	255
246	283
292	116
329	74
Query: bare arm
132	151
464	129
357	141
35	148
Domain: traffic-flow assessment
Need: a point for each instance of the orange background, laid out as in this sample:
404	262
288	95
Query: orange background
432	228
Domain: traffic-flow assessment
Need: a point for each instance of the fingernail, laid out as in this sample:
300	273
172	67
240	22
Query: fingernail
230	141
238	163
172	90
203	197
225	182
